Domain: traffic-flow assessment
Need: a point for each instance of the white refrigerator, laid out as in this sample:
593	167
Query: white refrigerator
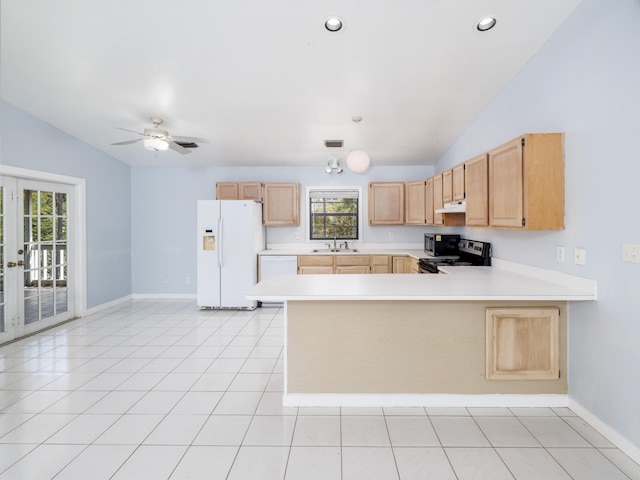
230	235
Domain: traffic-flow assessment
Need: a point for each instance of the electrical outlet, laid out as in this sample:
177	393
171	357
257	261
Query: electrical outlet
579	256
187	280
560	254
165	280
392	235
631	252
296	235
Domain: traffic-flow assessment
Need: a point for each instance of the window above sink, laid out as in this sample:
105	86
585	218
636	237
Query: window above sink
334	215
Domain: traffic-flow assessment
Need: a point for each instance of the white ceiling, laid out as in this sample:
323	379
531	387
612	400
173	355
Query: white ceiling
263	81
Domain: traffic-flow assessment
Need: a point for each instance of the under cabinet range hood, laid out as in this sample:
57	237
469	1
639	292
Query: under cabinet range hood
453	207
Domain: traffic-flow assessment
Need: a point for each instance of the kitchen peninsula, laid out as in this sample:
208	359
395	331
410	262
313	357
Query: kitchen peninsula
475	336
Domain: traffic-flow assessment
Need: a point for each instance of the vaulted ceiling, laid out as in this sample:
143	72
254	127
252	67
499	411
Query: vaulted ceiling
263	81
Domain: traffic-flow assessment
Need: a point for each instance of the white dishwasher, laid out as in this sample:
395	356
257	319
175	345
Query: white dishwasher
272	265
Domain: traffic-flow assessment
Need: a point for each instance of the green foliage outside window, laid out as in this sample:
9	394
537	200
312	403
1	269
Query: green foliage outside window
333	214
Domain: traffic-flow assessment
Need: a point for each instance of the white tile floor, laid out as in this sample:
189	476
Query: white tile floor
159	390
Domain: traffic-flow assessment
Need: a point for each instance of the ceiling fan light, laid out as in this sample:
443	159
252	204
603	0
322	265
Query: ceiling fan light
358	161
155	144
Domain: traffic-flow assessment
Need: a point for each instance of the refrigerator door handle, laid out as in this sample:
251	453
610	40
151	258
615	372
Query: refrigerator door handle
220	226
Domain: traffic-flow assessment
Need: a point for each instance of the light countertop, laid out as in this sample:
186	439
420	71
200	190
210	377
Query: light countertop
415	253
460	283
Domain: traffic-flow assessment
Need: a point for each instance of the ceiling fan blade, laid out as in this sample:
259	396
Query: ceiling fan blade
127	142
174	146
132	131
177	138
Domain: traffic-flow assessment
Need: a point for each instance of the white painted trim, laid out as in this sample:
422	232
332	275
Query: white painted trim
80	225
107	305
422	400
610	433
570	281
163	296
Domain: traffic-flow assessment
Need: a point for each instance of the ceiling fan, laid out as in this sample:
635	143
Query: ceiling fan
158	139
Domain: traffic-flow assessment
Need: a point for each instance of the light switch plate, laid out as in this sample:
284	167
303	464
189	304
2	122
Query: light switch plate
579	256
560	254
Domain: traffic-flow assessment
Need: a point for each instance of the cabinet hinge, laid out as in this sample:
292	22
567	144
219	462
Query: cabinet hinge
523	222
522	142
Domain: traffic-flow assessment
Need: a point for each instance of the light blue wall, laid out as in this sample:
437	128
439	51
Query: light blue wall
585	81
30	143
164	215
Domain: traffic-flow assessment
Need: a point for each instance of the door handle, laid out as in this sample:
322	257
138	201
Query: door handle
20	263
11	264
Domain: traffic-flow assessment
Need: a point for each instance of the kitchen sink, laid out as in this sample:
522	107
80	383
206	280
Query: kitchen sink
334	250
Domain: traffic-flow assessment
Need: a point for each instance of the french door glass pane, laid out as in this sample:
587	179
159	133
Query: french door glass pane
45	270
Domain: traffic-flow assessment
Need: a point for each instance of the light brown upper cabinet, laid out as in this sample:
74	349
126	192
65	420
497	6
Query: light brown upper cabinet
428	201
447	186
477	191
239	191
457	183
386	203
250	191
227	191
281	204
438	218
415	204
526	183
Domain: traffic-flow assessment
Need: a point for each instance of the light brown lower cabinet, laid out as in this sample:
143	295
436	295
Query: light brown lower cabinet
400	264
412	265
381	264
522	343
315	264
343	264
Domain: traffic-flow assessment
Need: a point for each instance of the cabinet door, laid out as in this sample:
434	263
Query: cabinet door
458	183
438	218
381	264
250	191
281	204
386	203
415	203
522	343
477	191
505	185
399	264
428	202
227	191
412	264
447	186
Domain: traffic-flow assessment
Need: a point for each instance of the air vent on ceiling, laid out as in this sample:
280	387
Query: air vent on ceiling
188	144
333	143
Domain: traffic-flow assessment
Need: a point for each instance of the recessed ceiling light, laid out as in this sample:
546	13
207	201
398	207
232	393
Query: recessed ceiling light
486	24
333	24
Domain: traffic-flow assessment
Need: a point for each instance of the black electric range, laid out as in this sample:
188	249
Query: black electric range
470	253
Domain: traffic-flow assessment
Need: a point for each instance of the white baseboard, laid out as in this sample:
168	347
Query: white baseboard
611	434
104	306
422	400
163	296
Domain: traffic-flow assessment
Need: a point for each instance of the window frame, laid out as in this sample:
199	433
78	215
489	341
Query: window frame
311	189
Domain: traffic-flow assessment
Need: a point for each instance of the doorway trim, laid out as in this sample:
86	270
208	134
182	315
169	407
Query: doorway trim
80	220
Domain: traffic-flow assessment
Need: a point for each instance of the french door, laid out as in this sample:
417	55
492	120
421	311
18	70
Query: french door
36	256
